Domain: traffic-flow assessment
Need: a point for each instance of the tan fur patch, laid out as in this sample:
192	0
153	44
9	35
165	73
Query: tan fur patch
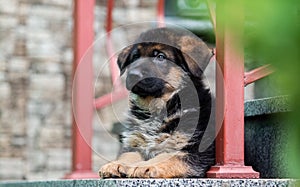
162	138
120	166
130	157
174	79
137	139
154	105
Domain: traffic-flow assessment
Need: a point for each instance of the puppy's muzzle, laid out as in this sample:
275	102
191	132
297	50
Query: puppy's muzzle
143	81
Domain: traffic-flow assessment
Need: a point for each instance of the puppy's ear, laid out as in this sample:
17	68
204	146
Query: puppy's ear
196	54
123	58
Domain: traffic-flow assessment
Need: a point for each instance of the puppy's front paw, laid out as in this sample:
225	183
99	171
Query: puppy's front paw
112	170
146	172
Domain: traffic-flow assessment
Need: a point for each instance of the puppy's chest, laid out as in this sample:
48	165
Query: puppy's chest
150	144
152	127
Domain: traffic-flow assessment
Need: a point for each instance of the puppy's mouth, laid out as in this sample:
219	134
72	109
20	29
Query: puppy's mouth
147	87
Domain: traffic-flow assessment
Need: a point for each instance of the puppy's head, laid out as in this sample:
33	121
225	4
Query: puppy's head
161	59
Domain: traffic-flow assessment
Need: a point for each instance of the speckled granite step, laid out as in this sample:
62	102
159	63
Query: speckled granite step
156	182
266	132
268	105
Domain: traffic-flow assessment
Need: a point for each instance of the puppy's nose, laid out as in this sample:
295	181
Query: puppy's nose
133	77
135	73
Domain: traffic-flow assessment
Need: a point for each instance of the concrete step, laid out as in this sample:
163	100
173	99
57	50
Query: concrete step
156	182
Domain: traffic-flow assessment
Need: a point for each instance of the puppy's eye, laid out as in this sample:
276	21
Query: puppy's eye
159	57
135	57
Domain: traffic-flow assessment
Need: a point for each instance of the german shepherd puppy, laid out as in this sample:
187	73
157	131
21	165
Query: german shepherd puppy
169	107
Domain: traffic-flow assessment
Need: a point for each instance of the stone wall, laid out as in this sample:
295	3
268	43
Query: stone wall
35	85
35	62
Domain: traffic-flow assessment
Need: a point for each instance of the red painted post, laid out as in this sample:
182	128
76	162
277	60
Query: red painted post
160	8
114	70
230	100
83	96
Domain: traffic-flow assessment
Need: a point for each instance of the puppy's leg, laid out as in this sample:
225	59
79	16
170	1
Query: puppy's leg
165	165
119	167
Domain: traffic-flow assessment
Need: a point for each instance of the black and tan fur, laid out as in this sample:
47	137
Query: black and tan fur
161	67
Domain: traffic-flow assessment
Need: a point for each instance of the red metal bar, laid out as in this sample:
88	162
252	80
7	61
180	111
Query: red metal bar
257	74
109	46
110	98
230	139
109	16
114	70
82	91
161	13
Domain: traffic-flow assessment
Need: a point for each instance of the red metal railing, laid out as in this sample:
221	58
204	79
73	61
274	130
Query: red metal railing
83	91
230	140
257	74
230	94
119	91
